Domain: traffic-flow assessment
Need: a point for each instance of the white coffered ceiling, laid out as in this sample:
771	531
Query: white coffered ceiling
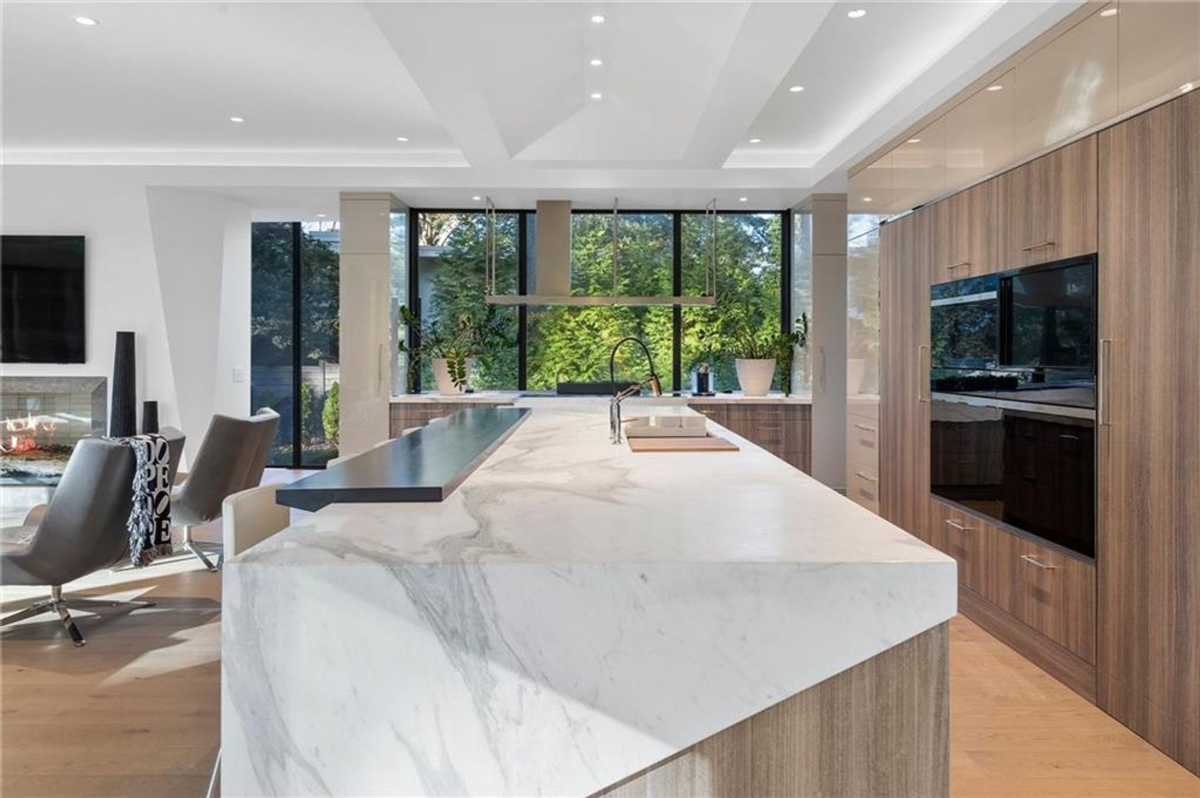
493	97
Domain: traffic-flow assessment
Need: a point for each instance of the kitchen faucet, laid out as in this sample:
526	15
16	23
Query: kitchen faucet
614	406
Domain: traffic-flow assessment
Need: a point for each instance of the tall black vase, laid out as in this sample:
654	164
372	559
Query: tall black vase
149	418
122	418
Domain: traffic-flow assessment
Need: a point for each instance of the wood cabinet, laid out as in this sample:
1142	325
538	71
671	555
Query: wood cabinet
1053	592
1149	427
1051	203
782	428
970	232
409	414
906	265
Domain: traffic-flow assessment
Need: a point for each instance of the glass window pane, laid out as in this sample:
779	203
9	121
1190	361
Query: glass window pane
271	341
573	344
862	310
451	279
398	255
644	254
749	269
318	400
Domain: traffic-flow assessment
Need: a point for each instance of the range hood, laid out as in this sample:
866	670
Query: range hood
554	263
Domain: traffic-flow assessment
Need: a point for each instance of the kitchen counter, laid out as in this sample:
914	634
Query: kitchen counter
573	614
511	397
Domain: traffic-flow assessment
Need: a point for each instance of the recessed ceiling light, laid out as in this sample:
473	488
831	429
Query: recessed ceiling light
1185	88
598	19
596	62
236	119
995	87
756	141
476	198
320	216
87	22
596	95
857	13
1108	12
867	199
401	138
743	199
914	141
795	89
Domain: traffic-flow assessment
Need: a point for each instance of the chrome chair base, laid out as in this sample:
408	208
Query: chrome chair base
56	603
213	564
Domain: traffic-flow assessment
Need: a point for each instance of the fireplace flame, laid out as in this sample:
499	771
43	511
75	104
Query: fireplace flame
22	434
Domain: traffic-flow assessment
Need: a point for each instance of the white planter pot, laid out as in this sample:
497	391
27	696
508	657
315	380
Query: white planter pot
755	375
441	376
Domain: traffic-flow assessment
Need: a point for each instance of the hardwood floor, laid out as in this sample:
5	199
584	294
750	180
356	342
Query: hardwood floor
135	712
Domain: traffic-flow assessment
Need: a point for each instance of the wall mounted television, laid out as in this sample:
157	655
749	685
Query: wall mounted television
42	299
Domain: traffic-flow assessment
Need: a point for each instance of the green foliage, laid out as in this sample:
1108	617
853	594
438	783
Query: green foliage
329	415
308	415
466	337
271	297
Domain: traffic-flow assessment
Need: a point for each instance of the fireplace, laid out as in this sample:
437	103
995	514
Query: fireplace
42	420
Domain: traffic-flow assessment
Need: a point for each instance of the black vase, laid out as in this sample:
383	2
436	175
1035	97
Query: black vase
149	418
122	419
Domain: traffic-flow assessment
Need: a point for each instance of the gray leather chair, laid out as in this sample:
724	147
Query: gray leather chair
232	458
81	530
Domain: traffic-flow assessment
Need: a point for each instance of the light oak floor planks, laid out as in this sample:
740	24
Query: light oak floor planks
135	712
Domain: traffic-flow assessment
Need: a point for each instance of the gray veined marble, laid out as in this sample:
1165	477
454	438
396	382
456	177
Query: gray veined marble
572	614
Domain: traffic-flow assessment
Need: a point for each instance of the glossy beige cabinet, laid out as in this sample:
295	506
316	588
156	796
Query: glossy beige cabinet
979	134
870	189
1051	203
919	167
1068	86
1159	48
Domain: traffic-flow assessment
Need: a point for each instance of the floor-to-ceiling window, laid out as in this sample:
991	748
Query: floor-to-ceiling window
294	337
658	254
748	312
448	283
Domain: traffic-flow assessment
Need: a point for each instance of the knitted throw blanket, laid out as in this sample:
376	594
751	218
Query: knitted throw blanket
149	521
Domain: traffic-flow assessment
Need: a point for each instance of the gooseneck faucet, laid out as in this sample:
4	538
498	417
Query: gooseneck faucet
614	406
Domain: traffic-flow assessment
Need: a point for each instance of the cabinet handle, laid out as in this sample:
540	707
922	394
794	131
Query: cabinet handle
1038	245
954	266
958	526
921	350
863	476
1066	437
1102	380
1029	558
864	428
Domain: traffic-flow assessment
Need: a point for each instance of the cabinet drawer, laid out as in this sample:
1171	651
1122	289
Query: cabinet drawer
1048	590
862	440
971	542
862	487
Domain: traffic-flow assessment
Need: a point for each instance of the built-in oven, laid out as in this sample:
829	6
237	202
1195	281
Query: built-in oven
1012	432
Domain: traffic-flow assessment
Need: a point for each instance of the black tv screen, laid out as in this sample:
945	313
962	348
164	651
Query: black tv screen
41	299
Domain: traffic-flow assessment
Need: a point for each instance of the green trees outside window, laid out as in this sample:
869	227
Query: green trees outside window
572	344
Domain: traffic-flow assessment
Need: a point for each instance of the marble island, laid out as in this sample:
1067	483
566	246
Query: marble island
573	617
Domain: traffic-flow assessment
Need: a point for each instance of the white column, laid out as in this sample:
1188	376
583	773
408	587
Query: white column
828	339
364	318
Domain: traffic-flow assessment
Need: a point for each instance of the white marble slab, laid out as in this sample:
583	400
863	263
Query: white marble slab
572	614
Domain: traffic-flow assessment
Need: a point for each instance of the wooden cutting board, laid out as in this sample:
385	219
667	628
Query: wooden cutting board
711	443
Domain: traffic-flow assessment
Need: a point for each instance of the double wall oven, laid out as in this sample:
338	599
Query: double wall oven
1013	387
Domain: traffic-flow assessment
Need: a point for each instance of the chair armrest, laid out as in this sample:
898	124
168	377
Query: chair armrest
34	516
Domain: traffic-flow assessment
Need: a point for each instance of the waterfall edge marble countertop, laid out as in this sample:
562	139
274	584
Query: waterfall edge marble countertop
572	614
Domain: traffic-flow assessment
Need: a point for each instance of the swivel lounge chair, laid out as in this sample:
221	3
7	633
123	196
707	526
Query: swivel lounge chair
81	530
232	458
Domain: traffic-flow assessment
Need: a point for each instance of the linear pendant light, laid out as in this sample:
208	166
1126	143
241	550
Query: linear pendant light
554	263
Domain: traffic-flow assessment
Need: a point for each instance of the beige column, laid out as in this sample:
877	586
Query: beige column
828	338
365	321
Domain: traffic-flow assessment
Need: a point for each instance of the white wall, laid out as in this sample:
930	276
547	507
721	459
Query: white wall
136	270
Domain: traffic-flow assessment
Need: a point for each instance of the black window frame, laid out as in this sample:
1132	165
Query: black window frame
785	274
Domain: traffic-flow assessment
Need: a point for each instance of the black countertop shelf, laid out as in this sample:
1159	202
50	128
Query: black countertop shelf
424	466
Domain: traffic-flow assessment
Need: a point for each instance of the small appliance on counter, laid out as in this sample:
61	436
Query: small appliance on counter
703	381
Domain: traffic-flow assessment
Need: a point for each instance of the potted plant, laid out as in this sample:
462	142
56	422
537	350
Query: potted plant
761	350
453	348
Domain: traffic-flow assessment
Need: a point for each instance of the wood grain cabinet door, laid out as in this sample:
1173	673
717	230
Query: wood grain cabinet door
1050	591
906	266
1051	204
970	230
1149	426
